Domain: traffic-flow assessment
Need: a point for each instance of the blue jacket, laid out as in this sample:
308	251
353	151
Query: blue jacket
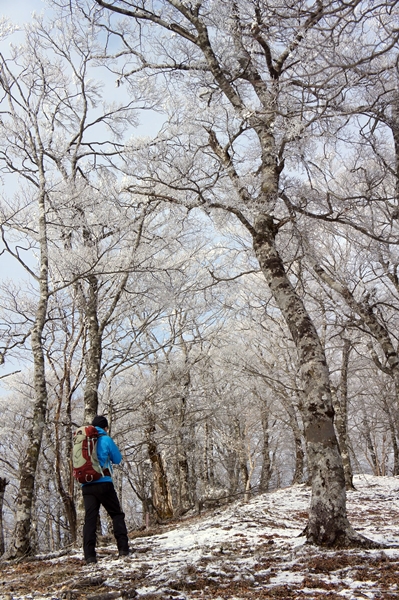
108	454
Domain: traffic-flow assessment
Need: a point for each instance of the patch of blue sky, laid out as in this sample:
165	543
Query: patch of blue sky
21	11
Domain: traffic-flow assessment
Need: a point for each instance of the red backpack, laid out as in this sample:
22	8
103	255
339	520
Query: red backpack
86	467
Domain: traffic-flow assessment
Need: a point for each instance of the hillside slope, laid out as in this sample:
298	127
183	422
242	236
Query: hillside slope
249	550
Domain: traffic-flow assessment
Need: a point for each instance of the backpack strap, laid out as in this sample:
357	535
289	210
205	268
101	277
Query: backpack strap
107	471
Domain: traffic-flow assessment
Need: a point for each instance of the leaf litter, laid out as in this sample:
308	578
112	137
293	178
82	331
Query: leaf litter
239	551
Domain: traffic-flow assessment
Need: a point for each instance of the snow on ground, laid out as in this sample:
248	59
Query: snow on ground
252	550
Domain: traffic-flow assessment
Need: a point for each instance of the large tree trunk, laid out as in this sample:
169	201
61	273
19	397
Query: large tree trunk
328	524
21	543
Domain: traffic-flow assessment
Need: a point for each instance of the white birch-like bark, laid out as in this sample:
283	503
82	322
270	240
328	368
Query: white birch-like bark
22	544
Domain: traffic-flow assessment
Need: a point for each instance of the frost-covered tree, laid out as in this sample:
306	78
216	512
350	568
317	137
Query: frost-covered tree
50	107
252	89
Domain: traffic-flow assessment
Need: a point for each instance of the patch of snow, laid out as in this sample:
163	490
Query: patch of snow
245	547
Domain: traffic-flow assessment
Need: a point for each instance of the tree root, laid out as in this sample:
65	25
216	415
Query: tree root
347	539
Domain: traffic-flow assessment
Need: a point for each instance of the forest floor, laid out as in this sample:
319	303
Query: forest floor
244	550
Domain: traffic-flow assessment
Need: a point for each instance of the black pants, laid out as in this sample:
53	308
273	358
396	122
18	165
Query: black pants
95	495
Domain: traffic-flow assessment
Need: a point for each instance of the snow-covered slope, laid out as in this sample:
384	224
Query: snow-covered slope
252	550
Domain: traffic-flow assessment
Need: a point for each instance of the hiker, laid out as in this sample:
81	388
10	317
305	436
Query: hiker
102	492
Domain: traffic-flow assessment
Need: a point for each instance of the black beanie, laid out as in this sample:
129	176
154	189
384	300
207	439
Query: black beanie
100	421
